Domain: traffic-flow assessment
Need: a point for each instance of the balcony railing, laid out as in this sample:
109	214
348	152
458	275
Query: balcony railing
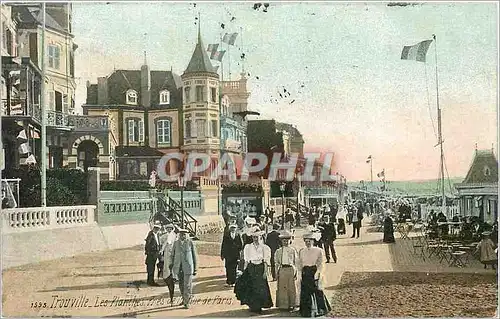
18	108
77	122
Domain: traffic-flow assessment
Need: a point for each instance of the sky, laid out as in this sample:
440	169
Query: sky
350	92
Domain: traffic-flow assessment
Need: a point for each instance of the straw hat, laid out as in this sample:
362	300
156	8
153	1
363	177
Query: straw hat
285	235
309	236
157	224
250	220
170	226
486	233
183	231
256	232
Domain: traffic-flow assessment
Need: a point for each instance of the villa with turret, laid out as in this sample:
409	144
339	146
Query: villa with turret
152	113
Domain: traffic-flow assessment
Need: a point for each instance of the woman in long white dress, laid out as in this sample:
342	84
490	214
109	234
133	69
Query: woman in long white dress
167	244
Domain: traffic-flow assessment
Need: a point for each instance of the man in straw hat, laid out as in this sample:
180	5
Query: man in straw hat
184	260
252	288
230	253
313	302
167	241
152	252
286	259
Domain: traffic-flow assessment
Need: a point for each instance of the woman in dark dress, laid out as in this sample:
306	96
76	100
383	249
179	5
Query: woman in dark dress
388	230
252	288
313	302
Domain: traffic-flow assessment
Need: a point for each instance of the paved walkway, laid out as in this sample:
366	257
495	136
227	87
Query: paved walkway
111	283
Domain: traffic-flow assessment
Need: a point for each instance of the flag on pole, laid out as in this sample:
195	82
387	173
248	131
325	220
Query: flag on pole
24	148
381	174
212	48
230	38
22	135
217	55
30	160
369	159
416	52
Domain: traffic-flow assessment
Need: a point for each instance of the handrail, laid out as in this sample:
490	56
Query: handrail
175	207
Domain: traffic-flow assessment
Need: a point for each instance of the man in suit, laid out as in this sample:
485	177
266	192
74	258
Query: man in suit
232	245
274	242
185	262
152	251
328	236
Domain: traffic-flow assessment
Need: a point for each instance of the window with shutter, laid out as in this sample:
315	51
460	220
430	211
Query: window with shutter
200	128
200	93
163	131
131	130
141	131
187	129
215	132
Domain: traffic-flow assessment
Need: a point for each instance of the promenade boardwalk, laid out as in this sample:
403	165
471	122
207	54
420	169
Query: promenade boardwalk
112	283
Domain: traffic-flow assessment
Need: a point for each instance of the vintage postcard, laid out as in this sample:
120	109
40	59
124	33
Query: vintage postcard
237	159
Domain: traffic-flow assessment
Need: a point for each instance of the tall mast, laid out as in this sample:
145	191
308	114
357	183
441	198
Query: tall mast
440	133
44	117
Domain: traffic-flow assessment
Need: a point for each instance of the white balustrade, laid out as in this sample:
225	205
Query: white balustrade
42	218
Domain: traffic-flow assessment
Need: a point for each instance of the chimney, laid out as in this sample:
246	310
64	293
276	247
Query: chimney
145	84
102	90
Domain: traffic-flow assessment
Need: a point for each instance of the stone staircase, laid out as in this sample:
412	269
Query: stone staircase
170	211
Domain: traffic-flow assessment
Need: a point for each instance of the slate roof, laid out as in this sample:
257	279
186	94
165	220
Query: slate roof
33	15
200	62
137	151
120	81
484	161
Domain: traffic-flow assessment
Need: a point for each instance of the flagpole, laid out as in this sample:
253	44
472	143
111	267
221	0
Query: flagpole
44	118
440	133
222	61
371	171
229	59
242	52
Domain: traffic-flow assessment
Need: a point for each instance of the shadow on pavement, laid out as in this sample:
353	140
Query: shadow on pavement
241	313
364	243
201	279
105	285
106	274
211	286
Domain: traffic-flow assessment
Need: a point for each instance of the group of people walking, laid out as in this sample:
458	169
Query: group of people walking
174	253
297	273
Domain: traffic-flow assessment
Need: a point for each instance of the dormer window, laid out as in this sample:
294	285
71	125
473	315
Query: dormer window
486	171
132	97
164	97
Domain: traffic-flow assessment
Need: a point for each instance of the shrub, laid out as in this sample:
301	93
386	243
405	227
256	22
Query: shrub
124	186
64	187
59	194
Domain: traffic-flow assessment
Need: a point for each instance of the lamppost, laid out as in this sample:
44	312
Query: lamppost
182	183
282	189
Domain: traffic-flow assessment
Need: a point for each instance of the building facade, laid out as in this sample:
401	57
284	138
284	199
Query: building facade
153	113
478	193
72	140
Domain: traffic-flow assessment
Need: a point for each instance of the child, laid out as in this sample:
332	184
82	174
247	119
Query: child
487	251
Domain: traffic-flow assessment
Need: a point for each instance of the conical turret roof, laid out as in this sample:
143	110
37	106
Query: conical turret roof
200	62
